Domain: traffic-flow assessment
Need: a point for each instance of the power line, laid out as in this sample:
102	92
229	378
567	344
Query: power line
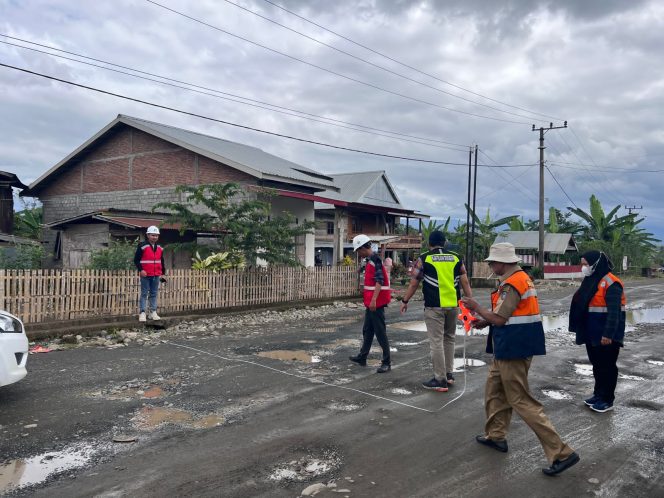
228	96
341	75
586	167
237	125
513	178
404	64
561	187
377	66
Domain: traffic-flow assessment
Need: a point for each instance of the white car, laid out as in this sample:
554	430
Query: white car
13	349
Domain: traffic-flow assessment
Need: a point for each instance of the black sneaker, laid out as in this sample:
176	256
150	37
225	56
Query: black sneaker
436	385
450	378
383	368
592	400
561	465
359	360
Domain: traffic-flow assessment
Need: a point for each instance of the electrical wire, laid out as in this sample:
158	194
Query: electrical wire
252	103
377	66
237	125
561	187
586	167
514	179
406	65
341	75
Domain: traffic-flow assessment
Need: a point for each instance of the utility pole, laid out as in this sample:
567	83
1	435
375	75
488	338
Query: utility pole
469	261
542	131
633	208
470	173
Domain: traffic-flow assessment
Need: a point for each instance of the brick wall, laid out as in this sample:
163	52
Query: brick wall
129	159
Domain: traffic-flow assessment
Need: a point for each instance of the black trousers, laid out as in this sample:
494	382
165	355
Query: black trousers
605	370
374	324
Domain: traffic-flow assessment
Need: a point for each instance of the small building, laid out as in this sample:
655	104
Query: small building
559	251
366	202
8	181
132	164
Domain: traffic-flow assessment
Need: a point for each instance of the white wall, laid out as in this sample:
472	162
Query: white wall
303	210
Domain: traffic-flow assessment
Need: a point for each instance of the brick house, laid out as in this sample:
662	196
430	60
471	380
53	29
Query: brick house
132	164
365	203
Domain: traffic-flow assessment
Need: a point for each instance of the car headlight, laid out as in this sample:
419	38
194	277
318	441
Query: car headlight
10	324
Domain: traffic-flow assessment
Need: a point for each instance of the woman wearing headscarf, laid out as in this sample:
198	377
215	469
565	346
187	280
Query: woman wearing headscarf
597	315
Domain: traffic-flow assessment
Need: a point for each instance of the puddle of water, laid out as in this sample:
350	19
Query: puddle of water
420	326
154	392
303	469
630	377
633	317
552	393
25	472
583	369
294	355
553	323
655	362
399	390
411	343
343	407
470	362
150	417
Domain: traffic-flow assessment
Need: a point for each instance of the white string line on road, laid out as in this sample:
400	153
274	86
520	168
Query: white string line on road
318	381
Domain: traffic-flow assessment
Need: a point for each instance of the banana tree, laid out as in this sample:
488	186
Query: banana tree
601	226
485	231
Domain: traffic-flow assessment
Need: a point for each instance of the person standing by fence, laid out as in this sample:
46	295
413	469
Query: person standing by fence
149	260
377	296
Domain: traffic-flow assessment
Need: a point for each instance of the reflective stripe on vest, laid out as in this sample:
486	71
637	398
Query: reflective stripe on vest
599	299
522	335
444	264
385	294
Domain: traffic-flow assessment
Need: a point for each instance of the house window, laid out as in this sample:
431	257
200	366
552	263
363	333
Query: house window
357	225
330	228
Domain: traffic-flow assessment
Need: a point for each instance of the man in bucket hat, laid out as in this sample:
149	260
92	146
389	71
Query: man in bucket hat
515	336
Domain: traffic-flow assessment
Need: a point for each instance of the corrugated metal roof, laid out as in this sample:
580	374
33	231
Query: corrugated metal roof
364	187
258	162
554	243
250	160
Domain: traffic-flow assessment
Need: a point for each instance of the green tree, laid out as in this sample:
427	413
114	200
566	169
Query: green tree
28	221
242	226
119	255
601	226
431	226
485	231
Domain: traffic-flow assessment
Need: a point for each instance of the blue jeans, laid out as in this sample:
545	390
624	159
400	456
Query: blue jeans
149	285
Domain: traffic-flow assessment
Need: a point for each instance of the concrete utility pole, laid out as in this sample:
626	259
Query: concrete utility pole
633	208
540	263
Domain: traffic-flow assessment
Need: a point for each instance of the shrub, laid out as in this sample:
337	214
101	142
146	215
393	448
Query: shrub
119	255
21	257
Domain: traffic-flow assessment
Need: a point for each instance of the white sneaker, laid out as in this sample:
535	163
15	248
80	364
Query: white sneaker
154	316
142	317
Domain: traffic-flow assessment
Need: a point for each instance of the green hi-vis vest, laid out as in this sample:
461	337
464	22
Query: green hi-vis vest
442	270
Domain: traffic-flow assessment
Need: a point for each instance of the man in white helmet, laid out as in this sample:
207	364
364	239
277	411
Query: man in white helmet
149	260
377	296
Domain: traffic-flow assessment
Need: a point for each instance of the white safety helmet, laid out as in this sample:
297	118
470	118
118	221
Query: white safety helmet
359	241
153	229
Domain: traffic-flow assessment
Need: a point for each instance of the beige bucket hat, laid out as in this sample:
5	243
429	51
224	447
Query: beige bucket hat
503	252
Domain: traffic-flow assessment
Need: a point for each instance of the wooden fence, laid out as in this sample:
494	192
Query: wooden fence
50	295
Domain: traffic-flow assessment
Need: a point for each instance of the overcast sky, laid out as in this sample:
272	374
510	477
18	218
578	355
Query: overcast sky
597	64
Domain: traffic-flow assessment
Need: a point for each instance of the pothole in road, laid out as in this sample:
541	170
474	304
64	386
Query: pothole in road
400	390
642	403
470	362
560	322
290	355
150	417
420	326
136	389
305	468
16	474
556	394
587	371
338	406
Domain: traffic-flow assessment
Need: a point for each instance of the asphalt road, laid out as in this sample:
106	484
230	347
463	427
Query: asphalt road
223	416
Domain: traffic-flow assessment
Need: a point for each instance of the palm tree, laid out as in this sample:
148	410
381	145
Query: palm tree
485	231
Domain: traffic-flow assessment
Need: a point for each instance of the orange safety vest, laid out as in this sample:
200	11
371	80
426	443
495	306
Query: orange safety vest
523	334
598	312
385	294
151	260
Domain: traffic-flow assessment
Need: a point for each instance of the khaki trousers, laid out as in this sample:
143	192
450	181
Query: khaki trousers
507	389
441	328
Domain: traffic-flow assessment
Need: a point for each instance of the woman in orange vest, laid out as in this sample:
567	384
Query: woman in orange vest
597	315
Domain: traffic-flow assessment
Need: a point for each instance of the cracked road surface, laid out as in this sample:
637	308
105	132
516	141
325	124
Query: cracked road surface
270	410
